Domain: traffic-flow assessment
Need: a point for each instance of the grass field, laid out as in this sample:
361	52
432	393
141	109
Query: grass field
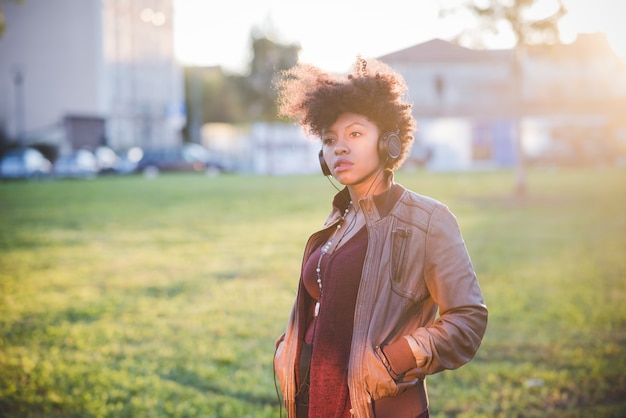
128	297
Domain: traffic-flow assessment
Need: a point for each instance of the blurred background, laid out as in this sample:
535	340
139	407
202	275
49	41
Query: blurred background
111	86
126	297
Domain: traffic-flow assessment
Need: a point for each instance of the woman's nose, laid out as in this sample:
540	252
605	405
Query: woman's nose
341	147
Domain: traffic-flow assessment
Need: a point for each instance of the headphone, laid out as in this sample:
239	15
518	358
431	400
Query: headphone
389	147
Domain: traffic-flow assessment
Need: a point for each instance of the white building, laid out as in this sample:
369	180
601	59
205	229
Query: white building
99	59
571	106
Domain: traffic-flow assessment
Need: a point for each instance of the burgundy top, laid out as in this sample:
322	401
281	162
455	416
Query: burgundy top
332	330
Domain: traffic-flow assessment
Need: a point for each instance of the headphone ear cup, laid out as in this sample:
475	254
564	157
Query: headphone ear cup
394	146
390	146
325	169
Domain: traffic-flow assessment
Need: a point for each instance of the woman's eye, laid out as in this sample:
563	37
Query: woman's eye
327	140
355	134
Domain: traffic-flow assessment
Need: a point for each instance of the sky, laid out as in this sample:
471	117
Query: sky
332	33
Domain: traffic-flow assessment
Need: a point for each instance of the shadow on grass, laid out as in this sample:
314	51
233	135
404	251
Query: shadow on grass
34	324
203	384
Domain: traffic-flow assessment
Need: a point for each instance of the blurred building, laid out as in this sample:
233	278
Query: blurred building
569	100
565	102
80	73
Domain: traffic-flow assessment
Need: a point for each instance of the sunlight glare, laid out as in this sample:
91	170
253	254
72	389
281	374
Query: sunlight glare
206	34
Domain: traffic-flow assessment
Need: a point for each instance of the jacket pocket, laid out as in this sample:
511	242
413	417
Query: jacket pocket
378	350
400	239
381	382
407	260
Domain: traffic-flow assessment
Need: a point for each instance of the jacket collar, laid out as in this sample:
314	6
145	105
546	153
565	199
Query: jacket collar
383	203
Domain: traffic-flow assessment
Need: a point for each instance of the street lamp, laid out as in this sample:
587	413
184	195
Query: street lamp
18	80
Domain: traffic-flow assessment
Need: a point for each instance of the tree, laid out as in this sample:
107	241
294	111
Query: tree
212	95
3	23
268	59
517	17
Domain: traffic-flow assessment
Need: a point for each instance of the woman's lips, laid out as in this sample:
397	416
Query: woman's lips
342	164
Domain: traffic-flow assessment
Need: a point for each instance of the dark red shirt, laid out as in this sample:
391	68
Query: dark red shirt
341	275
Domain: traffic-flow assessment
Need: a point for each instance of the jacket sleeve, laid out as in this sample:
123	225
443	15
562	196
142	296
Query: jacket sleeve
453	339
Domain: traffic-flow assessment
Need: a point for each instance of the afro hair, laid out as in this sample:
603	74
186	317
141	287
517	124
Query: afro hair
315	99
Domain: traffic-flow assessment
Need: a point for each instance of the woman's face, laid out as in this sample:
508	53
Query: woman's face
350	148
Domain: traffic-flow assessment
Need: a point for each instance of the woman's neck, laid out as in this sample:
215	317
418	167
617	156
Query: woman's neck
360	191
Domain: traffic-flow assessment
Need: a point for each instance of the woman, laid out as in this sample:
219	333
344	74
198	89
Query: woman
363	332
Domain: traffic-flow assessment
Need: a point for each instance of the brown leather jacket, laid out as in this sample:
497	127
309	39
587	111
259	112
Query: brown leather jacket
416	264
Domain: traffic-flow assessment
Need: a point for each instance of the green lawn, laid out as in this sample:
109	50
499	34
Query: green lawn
129	297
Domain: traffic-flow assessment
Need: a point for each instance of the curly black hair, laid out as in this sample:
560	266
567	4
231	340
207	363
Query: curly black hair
315	99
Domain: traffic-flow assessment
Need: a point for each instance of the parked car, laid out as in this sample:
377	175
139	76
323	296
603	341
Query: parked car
108	160
129	160
24	163
79	164
189	157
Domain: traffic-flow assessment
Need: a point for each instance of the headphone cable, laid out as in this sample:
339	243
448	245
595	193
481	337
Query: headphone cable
280	401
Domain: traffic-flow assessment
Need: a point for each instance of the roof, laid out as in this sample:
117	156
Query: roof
586	46
439	50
